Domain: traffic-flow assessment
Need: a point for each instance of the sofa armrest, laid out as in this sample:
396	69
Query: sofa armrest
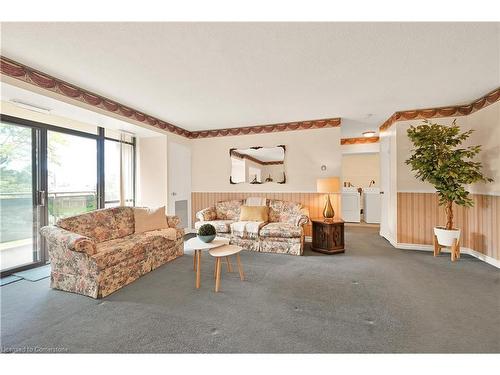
69	240
173	221
207	214
302	218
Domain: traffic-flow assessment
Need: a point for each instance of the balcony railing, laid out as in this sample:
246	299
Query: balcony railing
17	211
68	203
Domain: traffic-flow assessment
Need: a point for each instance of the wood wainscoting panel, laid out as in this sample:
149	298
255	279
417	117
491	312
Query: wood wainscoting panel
419	213
315	202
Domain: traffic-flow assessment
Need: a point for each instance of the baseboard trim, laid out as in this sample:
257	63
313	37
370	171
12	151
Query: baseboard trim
485	258
464	250
388	238
410	246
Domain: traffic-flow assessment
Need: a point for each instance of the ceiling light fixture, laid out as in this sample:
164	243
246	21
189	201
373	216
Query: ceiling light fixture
369	133
30	107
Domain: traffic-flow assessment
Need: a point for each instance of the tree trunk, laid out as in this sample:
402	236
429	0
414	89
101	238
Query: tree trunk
449	215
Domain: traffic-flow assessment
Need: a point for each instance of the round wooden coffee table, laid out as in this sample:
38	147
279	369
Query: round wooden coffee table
197	246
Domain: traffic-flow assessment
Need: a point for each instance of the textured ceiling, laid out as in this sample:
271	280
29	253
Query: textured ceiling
217	75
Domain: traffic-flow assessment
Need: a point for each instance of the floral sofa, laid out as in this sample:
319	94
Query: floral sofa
282	233
96	253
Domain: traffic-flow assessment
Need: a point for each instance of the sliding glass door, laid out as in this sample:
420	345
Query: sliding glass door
48	173
72	175
19	196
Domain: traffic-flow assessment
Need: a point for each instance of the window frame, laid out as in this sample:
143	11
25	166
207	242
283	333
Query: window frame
39	148
100	138
134	148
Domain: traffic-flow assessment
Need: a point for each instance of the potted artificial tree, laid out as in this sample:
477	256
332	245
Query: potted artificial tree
439	158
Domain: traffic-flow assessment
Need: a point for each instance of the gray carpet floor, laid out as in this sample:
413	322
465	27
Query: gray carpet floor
373	298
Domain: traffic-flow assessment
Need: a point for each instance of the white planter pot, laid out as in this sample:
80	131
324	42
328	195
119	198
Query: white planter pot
445	237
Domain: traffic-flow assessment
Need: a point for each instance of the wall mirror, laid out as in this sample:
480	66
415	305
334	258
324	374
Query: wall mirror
258	165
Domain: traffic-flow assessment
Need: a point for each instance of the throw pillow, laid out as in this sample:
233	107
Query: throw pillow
254	213
147	219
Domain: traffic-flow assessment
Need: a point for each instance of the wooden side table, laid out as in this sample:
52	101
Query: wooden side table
328	236
225	252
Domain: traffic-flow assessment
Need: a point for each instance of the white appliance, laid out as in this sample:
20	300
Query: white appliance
351	205
372	204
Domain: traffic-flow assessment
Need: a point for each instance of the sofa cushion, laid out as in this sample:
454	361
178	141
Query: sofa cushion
279	245
281	230
147	219
173	221
247	229
101	225
110	253
207	214
228	210
283	211
179	233
171	234
118	250
254	213
221	226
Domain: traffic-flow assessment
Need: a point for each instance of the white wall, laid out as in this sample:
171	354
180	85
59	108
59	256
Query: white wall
486	123
360	169
179	175
305	152
363	148
152	171
51	119
156	177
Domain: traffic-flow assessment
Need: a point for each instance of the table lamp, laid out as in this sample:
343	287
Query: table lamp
328	185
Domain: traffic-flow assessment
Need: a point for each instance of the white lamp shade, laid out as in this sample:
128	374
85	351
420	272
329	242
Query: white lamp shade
328	185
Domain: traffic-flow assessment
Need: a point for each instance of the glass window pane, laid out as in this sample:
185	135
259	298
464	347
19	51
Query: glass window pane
16	197
72	175
112	172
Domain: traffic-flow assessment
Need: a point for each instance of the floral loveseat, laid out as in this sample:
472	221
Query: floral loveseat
282	233
98	252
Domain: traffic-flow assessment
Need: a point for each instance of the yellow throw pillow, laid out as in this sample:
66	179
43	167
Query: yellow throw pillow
254	213
147	219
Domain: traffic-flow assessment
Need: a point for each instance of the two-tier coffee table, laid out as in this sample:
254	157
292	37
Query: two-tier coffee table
197	246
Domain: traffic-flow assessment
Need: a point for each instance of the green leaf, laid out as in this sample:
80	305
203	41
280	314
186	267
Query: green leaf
437	158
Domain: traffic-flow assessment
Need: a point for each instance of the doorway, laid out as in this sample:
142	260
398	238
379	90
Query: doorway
179	183
361	188
20	197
